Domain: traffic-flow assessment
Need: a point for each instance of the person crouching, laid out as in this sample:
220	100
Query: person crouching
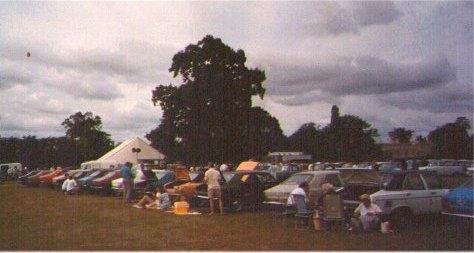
367	214
70	185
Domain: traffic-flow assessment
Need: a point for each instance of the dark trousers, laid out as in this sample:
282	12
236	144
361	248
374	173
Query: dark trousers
127	190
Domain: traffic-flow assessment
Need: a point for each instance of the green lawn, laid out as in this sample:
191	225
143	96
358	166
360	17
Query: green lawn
45	219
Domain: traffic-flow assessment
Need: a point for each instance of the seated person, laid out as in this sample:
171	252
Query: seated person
160	200
70	185
367	214
302	189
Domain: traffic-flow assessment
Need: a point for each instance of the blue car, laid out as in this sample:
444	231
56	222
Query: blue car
459	202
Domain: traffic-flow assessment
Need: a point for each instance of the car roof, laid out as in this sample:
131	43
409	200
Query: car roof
245	172
401	172
318	172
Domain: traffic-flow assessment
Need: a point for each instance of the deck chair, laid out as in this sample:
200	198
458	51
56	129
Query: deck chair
333	211
303	214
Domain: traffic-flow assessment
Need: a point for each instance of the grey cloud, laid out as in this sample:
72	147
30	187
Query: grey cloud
368	13
334	18
362	75
448	99
98	90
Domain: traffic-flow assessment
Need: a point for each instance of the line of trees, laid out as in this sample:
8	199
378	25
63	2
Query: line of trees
84	140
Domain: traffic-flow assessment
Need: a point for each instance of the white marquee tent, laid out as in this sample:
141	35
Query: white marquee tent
124	153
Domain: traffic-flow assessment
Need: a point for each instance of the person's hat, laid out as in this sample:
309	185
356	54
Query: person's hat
364	196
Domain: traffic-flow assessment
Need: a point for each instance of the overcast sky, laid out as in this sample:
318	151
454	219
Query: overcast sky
394	64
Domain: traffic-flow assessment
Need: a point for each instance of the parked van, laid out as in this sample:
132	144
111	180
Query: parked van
91	165
10	171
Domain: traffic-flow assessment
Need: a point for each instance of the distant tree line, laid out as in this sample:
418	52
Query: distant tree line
84	140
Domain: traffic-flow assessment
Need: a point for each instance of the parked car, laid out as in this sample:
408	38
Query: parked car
47	180
84	182
460	201
189	189
241	189
444	167
24	179
34	180
405	194
151	182
103	183
279	194
389	166
10	171
59	180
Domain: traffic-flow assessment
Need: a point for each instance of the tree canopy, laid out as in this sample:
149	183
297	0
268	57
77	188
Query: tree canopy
209	116
85	131
452	141
400	135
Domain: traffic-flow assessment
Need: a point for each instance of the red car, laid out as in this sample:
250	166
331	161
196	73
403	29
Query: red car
47	180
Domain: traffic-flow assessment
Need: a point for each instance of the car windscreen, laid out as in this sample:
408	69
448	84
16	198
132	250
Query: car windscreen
299	178
469	183
160	174
110	174
390	166
95	173
193	175
228	176
392	182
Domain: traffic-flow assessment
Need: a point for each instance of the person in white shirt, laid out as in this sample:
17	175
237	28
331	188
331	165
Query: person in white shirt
70	185
212	178
367	213
302	189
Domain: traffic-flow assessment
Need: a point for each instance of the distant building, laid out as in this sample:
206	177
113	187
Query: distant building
288	157
406	150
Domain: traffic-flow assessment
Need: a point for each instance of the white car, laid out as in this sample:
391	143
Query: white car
405	194
444	167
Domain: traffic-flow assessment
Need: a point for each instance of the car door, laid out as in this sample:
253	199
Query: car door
417	196
435	190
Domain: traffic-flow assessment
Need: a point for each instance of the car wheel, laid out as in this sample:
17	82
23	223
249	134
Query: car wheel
402	217
236	206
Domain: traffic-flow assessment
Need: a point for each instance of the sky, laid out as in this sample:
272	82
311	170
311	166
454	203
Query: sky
394	64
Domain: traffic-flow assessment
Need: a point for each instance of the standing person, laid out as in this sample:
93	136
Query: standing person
126	173
368	214
212	178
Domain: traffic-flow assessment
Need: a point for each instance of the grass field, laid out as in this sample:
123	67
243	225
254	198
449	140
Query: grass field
45	219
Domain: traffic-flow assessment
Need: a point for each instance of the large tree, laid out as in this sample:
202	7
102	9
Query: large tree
349	138
209	116
85	131
400	135
308	139
452	140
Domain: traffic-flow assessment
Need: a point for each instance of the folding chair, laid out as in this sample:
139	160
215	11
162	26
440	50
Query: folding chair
333	211
303	213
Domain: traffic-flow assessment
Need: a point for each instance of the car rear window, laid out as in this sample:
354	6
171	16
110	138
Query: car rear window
95	174
299	178
469	183
433	182
228	176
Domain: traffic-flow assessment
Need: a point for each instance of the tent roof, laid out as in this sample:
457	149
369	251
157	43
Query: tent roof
123	152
